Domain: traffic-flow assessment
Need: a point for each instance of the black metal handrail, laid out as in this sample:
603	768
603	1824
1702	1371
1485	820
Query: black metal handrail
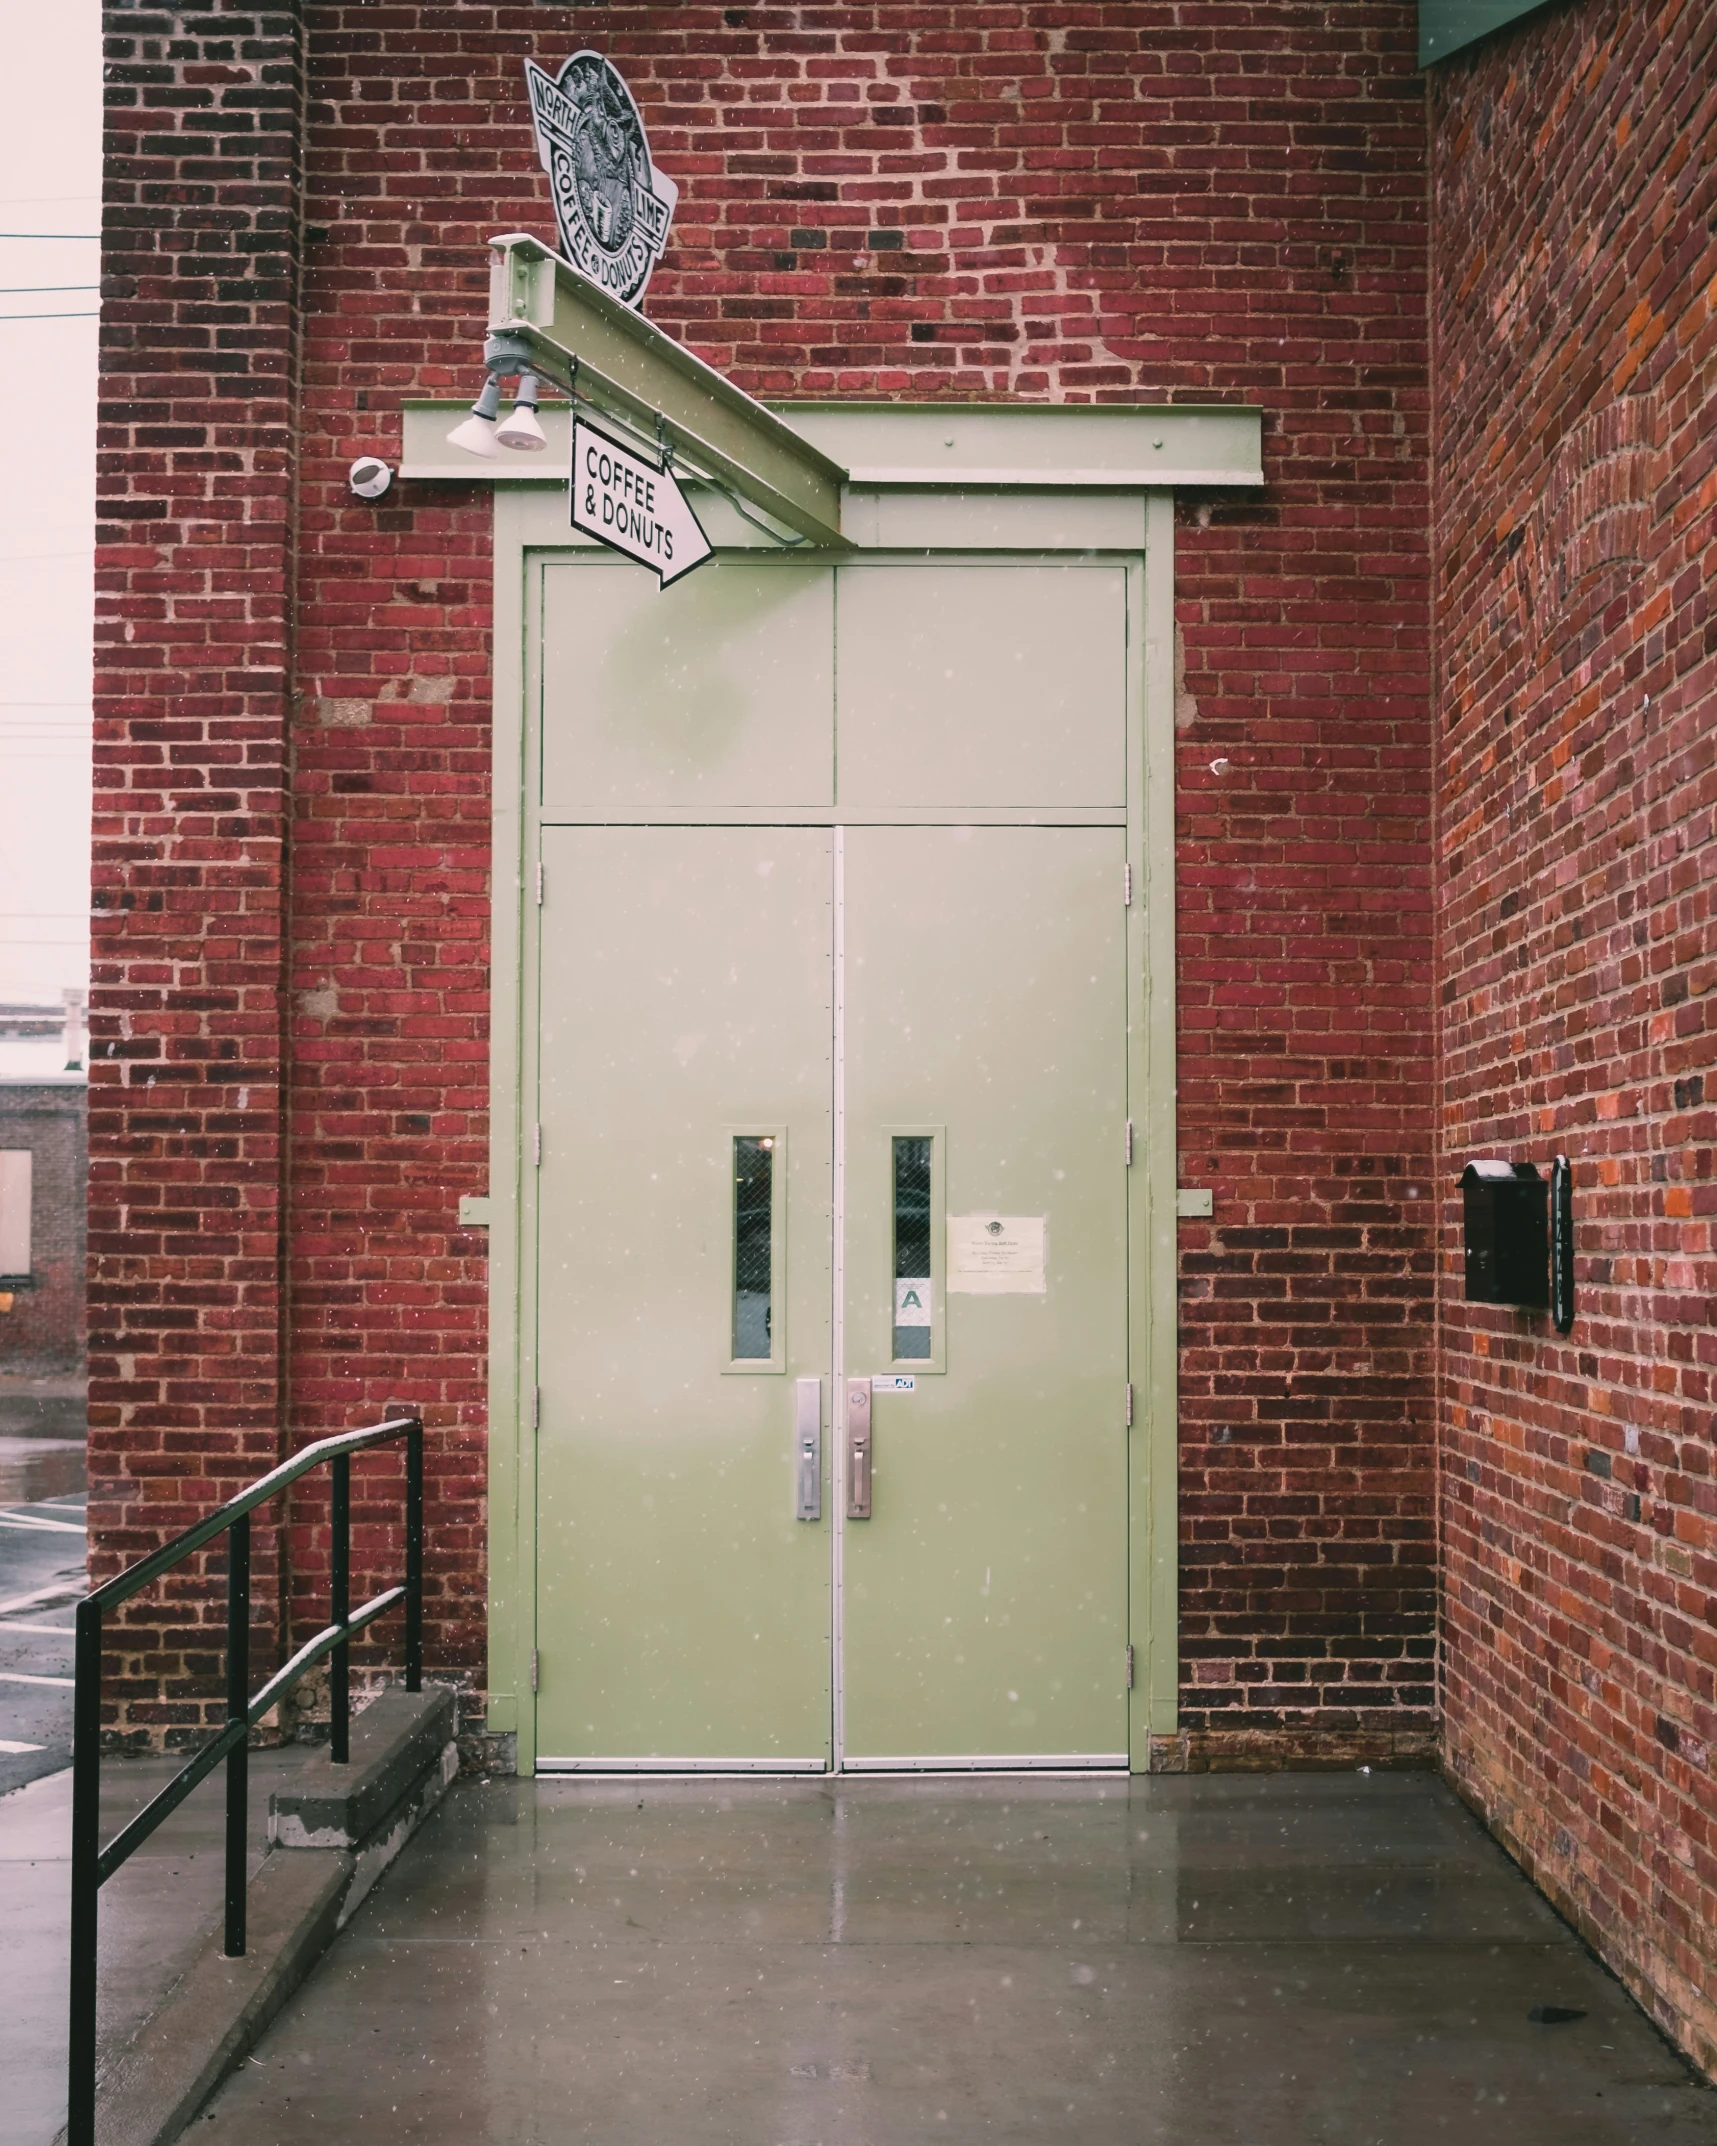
92	1864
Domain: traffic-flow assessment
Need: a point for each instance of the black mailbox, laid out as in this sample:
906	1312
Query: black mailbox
1562	1244
1506	1210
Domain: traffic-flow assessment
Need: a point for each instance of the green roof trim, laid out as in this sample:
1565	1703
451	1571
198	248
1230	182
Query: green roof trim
1446	25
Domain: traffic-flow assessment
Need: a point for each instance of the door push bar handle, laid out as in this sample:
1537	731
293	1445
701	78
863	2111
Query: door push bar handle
858	1449
808	1448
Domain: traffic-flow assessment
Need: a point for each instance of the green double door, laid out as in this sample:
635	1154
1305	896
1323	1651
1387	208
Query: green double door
832	1295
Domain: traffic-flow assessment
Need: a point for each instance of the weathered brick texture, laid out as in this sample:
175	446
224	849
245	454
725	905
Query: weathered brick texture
193	650
1575	186
1120	200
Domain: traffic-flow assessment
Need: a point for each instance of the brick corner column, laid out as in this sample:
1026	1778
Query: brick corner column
201	233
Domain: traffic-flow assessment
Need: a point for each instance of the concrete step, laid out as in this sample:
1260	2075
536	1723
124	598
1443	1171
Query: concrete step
332	1831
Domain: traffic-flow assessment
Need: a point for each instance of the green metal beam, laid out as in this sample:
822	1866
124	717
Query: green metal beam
954	448
1446	25
545	314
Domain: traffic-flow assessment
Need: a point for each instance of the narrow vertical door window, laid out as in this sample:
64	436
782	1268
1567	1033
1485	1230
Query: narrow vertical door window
753	1247
912	1283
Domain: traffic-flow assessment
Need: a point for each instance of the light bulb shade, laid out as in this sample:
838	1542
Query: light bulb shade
522	430
476	433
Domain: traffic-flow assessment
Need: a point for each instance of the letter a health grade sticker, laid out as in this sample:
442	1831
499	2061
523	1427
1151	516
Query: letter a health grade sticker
626	502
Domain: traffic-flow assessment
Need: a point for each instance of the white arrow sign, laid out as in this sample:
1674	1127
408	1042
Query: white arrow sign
622	500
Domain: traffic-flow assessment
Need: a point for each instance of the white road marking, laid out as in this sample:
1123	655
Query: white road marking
61	1631
56	1591
10	1750
17	1676
30	1520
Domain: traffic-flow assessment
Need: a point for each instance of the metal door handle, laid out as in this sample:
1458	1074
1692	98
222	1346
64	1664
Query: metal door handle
808	1448
858	1449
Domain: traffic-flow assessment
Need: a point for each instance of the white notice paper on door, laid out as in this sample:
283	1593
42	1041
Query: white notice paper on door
996	1255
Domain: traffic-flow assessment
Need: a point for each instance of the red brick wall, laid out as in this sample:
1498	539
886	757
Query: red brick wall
1292	236
193	652
1575	181
1129	199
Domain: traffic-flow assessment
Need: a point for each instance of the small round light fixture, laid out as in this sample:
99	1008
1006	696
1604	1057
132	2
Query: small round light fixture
369	477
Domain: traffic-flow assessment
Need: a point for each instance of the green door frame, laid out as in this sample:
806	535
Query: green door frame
1017	480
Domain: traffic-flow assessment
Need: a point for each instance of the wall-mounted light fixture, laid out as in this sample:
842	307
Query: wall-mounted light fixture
481	434
369	477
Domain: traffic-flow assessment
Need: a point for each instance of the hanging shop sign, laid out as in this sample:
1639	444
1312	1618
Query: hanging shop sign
612	205
625	501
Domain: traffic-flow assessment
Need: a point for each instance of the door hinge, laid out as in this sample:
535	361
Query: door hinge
539	882
1126	886
537	1145
534	1667
1129	1669
1129	1144
1129	1404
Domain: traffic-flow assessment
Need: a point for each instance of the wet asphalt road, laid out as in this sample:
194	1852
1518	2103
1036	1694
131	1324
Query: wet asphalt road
41	1576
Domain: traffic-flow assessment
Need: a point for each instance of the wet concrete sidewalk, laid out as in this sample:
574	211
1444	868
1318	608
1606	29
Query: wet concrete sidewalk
153	1913
1272	1960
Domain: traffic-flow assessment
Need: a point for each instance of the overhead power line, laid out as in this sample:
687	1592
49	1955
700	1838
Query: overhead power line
35	290
53	235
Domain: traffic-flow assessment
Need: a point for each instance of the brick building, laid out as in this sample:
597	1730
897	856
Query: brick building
44	1175
43	1168
1437	886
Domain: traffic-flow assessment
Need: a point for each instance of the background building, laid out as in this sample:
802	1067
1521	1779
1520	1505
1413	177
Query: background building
44	1172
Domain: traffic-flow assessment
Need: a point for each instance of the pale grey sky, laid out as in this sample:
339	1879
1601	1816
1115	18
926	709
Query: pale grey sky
50	181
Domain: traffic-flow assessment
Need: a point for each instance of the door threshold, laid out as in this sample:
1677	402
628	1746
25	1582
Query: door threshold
1060	1762
631	1769
1058	1766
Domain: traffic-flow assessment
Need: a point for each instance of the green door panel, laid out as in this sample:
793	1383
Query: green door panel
982	685
721	695
984	1602
683	1612
694	983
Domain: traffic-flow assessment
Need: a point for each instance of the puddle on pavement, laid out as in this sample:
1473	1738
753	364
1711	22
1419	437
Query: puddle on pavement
32	1468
